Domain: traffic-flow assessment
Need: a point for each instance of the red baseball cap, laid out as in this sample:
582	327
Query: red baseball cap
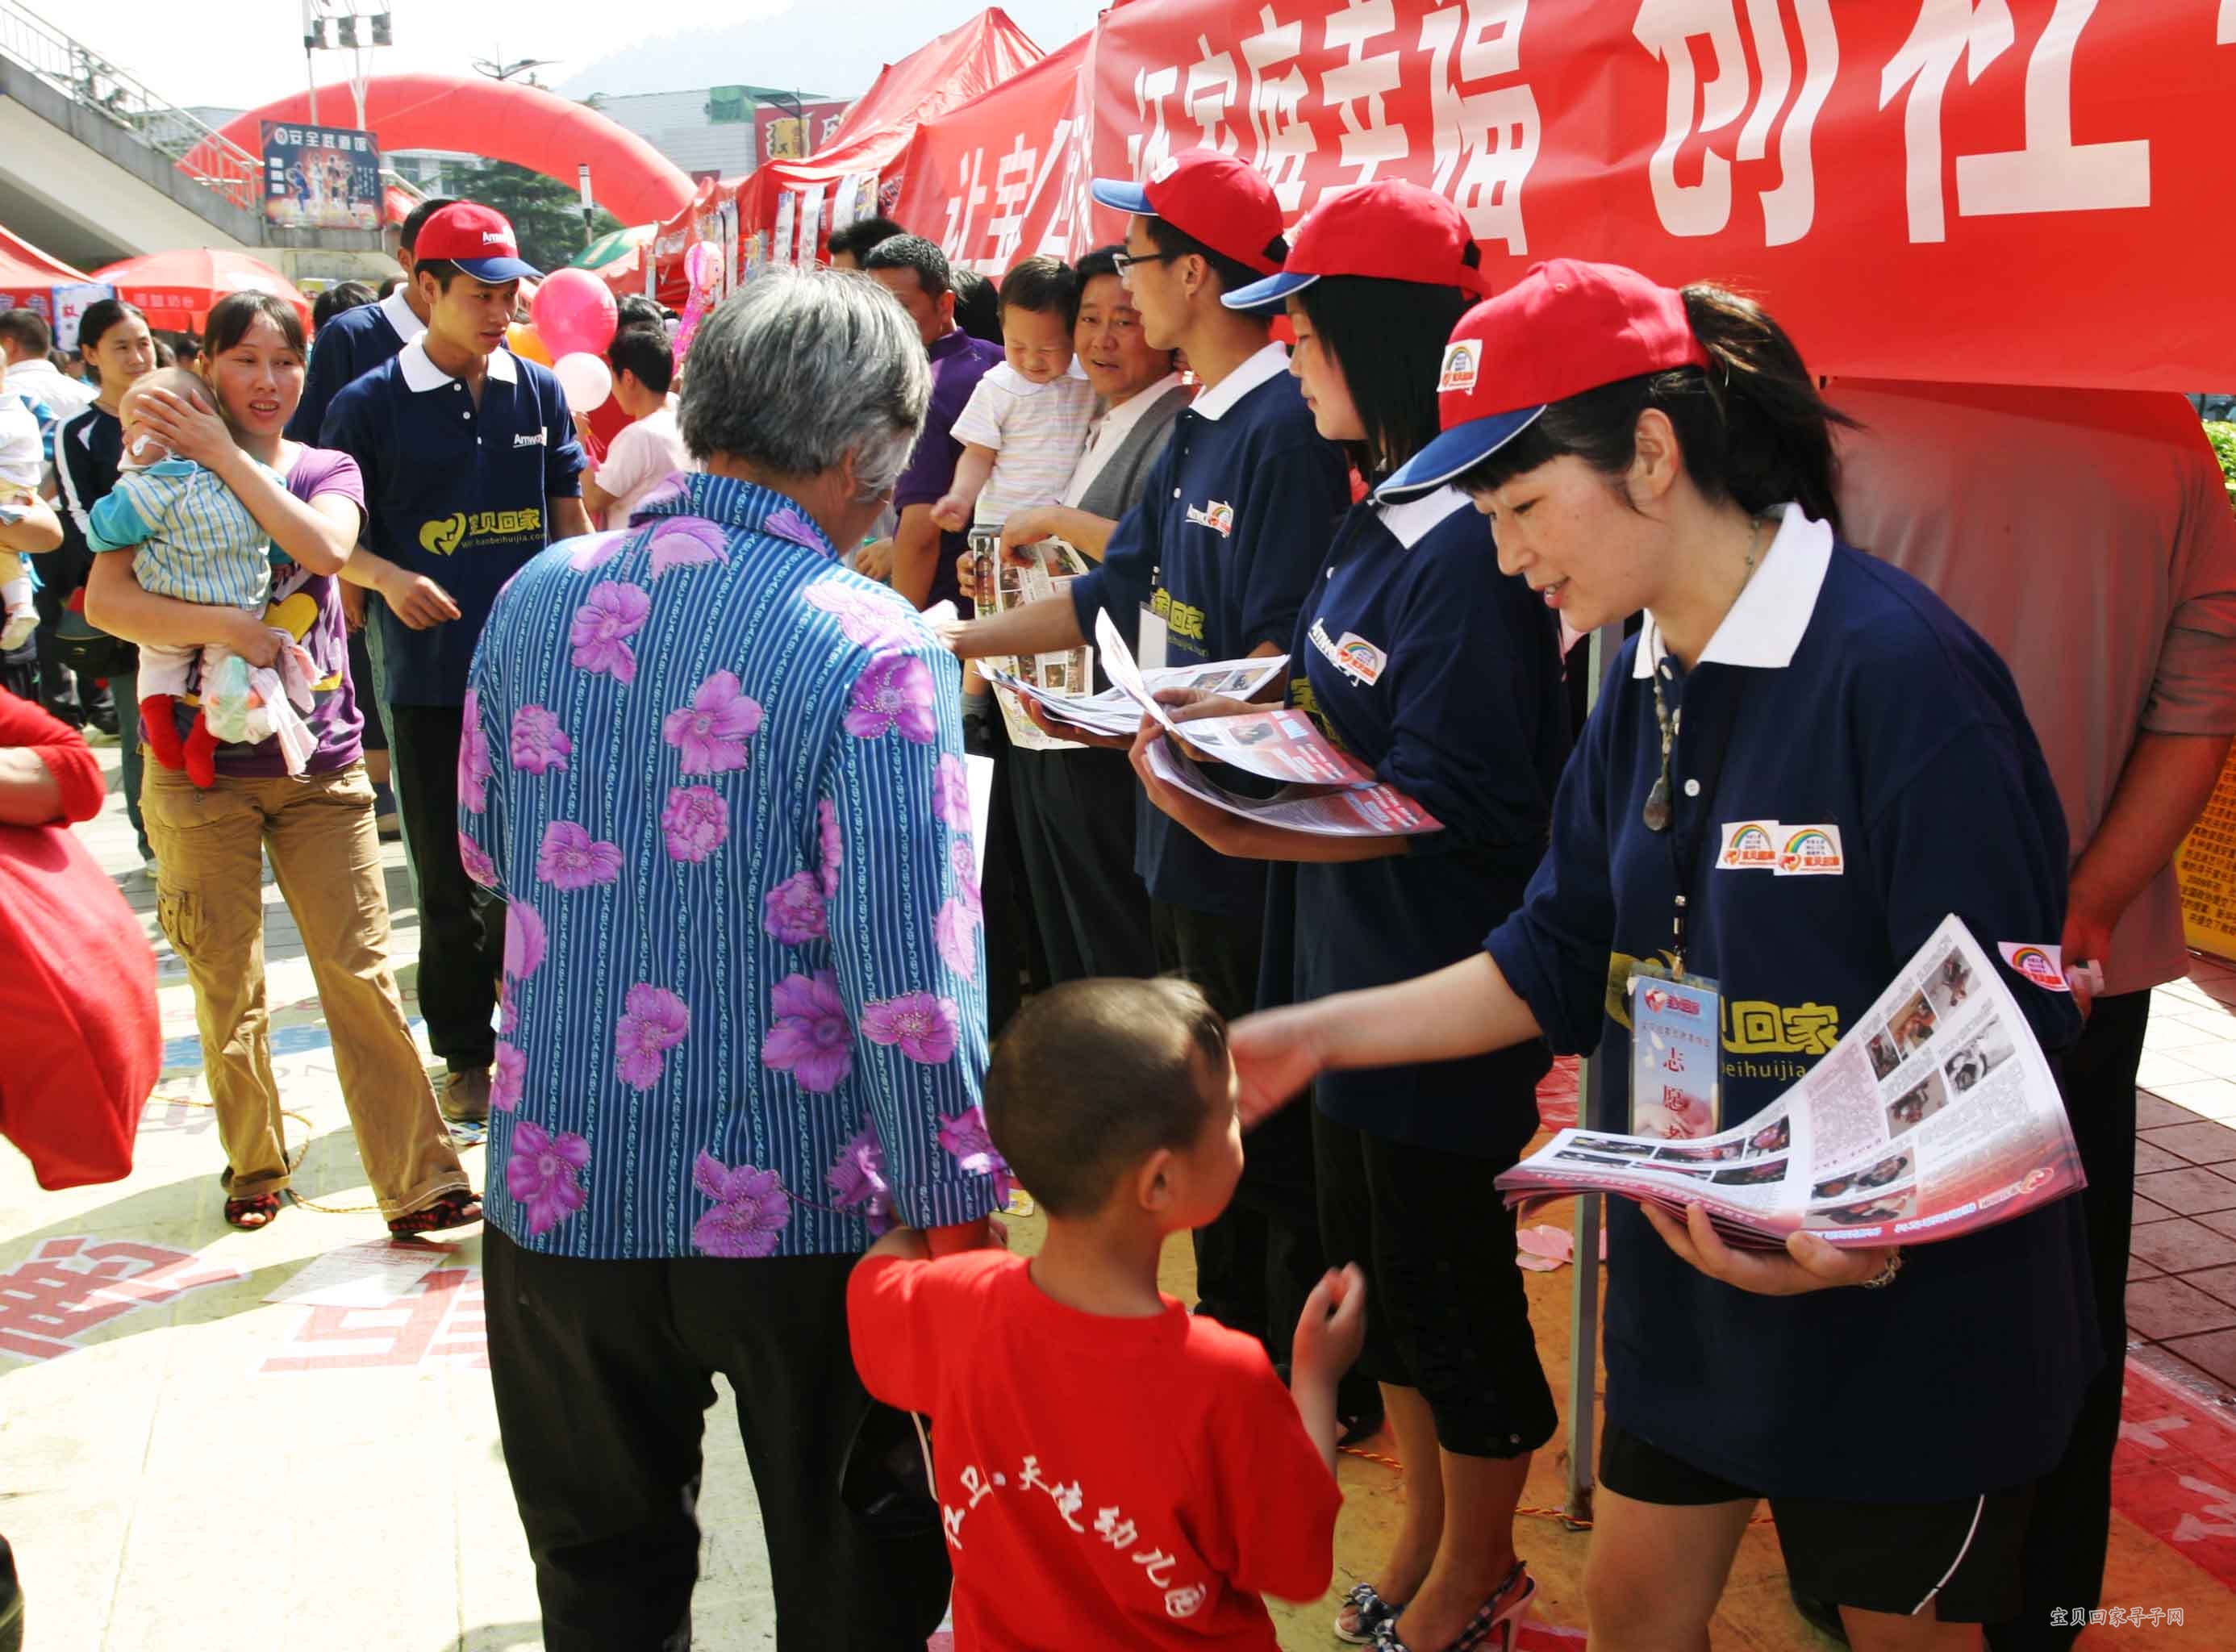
477	240
1225	203
1388	229
1564	328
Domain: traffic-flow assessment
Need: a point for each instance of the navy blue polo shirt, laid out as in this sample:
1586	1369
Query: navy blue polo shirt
1839	695
349	346
1418	657
1232	526
454	493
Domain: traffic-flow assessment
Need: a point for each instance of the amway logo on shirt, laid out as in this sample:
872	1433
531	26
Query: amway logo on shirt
532	438
1218	516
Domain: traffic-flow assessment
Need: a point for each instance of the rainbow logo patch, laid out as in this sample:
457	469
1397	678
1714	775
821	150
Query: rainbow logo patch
1749	845
1811	851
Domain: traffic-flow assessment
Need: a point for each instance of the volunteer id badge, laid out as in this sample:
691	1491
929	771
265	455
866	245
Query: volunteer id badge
1676	1087
1149	648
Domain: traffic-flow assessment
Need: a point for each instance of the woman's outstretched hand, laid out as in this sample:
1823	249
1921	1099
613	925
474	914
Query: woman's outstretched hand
1276	1054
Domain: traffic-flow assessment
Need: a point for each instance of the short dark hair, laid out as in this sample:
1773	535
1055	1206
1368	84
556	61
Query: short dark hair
1104	261
231	316
859	237
390	283
28	331
445	271
99	317
1232	274
1388	339
186	346
342	295
417	219
1752	427
1044	285
978	307
1094	1075
642	348
632	308
913	252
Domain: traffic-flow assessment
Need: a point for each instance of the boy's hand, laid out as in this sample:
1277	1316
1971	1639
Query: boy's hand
1333	1328
417	600
875	561
952	514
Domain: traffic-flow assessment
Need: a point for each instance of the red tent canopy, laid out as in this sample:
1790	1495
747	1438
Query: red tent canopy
965	63
22	265
177	289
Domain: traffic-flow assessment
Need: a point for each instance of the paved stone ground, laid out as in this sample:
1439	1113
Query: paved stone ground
189	1467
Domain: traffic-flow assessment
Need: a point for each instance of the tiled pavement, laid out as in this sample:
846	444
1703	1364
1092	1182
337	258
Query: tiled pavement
2182	1290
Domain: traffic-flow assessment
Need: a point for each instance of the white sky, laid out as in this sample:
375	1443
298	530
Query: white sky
241	53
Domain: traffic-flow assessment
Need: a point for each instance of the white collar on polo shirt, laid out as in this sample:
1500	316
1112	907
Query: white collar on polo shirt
400	317
1764	626
420	373
1409	523
1270	363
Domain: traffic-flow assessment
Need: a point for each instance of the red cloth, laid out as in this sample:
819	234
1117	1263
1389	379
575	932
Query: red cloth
78	981
1104	1482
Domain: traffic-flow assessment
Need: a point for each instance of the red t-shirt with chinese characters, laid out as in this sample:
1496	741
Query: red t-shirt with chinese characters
1103	1482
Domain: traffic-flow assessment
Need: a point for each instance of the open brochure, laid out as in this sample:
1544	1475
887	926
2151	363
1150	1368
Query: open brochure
1326	791
1046	569
1115	714
1936	1116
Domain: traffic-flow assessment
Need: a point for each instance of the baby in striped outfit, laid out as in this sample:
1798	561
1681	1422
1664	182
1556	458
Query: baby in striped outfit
1025	425
191	538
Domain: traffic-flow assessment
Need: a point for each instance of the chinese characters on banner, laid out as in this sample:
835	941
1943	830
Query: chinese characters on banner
321	177
72	1286
1961	189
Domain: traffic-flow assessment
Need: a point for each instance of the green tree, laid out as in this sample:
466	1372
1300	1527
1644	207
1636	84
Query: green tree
545	214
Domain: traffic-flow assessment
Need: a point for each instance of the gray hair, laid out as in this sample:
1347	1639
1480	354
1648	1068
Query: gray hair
800	370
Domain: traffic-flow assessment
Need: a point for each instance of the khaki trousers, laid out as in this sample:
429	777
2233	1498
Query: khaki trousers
326	855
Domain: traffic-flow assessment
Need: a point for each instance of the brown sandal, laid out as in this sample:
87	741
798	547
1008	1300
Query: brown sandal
451	1210
249	1215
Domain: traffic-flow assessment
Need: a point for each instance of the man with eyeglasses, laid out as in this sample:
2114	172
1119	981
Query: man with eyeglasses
1213	563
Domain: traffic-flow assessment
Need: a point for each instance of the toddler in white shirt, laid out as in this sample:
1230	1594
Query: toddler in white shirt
1025	425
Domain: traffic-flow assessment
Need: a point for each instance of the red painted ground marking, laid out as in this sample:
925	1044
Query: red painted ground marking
2174	1472
440	1317
71	1286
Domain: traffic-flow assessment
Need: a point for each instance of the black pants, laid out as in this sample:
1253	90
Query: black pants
603	1372
2072	1518
1258	1262
461	924
1074	820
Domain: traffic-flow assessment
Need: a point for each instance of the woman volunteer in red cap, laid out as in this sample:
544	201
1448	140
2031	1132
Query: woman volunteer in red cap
1638	448
1415	654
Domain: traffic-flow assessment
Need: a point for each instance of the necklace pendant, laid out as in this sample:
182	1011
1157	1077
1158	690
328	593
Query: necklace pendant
1656	813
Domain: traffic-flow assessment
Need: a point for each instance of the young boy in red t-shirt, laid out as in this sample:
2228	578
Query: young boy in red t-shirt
1113	1470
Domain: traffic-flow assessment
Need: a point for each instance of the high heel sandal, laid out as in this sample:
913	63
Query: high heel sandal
1369	1611
1493	1628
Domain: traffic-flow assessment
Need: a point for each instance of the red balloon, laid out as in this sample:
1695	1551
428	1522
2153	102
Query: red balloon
574	312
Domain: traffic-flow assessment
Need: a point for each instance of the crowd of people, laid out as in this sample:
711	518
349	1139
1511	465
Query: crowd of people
744	983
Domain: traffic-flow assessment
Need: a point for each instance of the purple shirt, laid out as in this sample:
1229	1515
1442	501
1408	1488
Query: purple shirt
309	606
958	362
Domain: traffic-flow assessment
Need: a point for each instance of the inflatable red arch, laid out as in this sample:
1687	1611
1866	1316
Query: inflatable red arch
501	120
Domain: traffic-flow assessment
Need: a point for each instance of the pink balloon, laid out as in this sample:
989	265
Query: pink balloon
573	313
701	264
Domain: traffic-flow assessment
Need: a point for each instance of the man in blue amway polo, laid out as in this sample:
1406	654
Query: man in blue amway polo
1232	526
471	468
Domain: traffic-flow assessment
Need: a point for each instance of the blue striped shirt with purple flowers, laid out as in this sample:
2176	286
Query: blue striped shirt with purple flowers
719	781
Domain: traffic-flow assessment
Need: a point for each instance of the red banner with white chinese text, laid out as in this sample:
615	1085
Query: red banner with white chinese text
2018	191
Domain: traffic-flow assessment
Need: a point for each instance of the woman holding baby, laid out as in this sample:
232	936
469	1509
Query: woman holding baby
315	824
